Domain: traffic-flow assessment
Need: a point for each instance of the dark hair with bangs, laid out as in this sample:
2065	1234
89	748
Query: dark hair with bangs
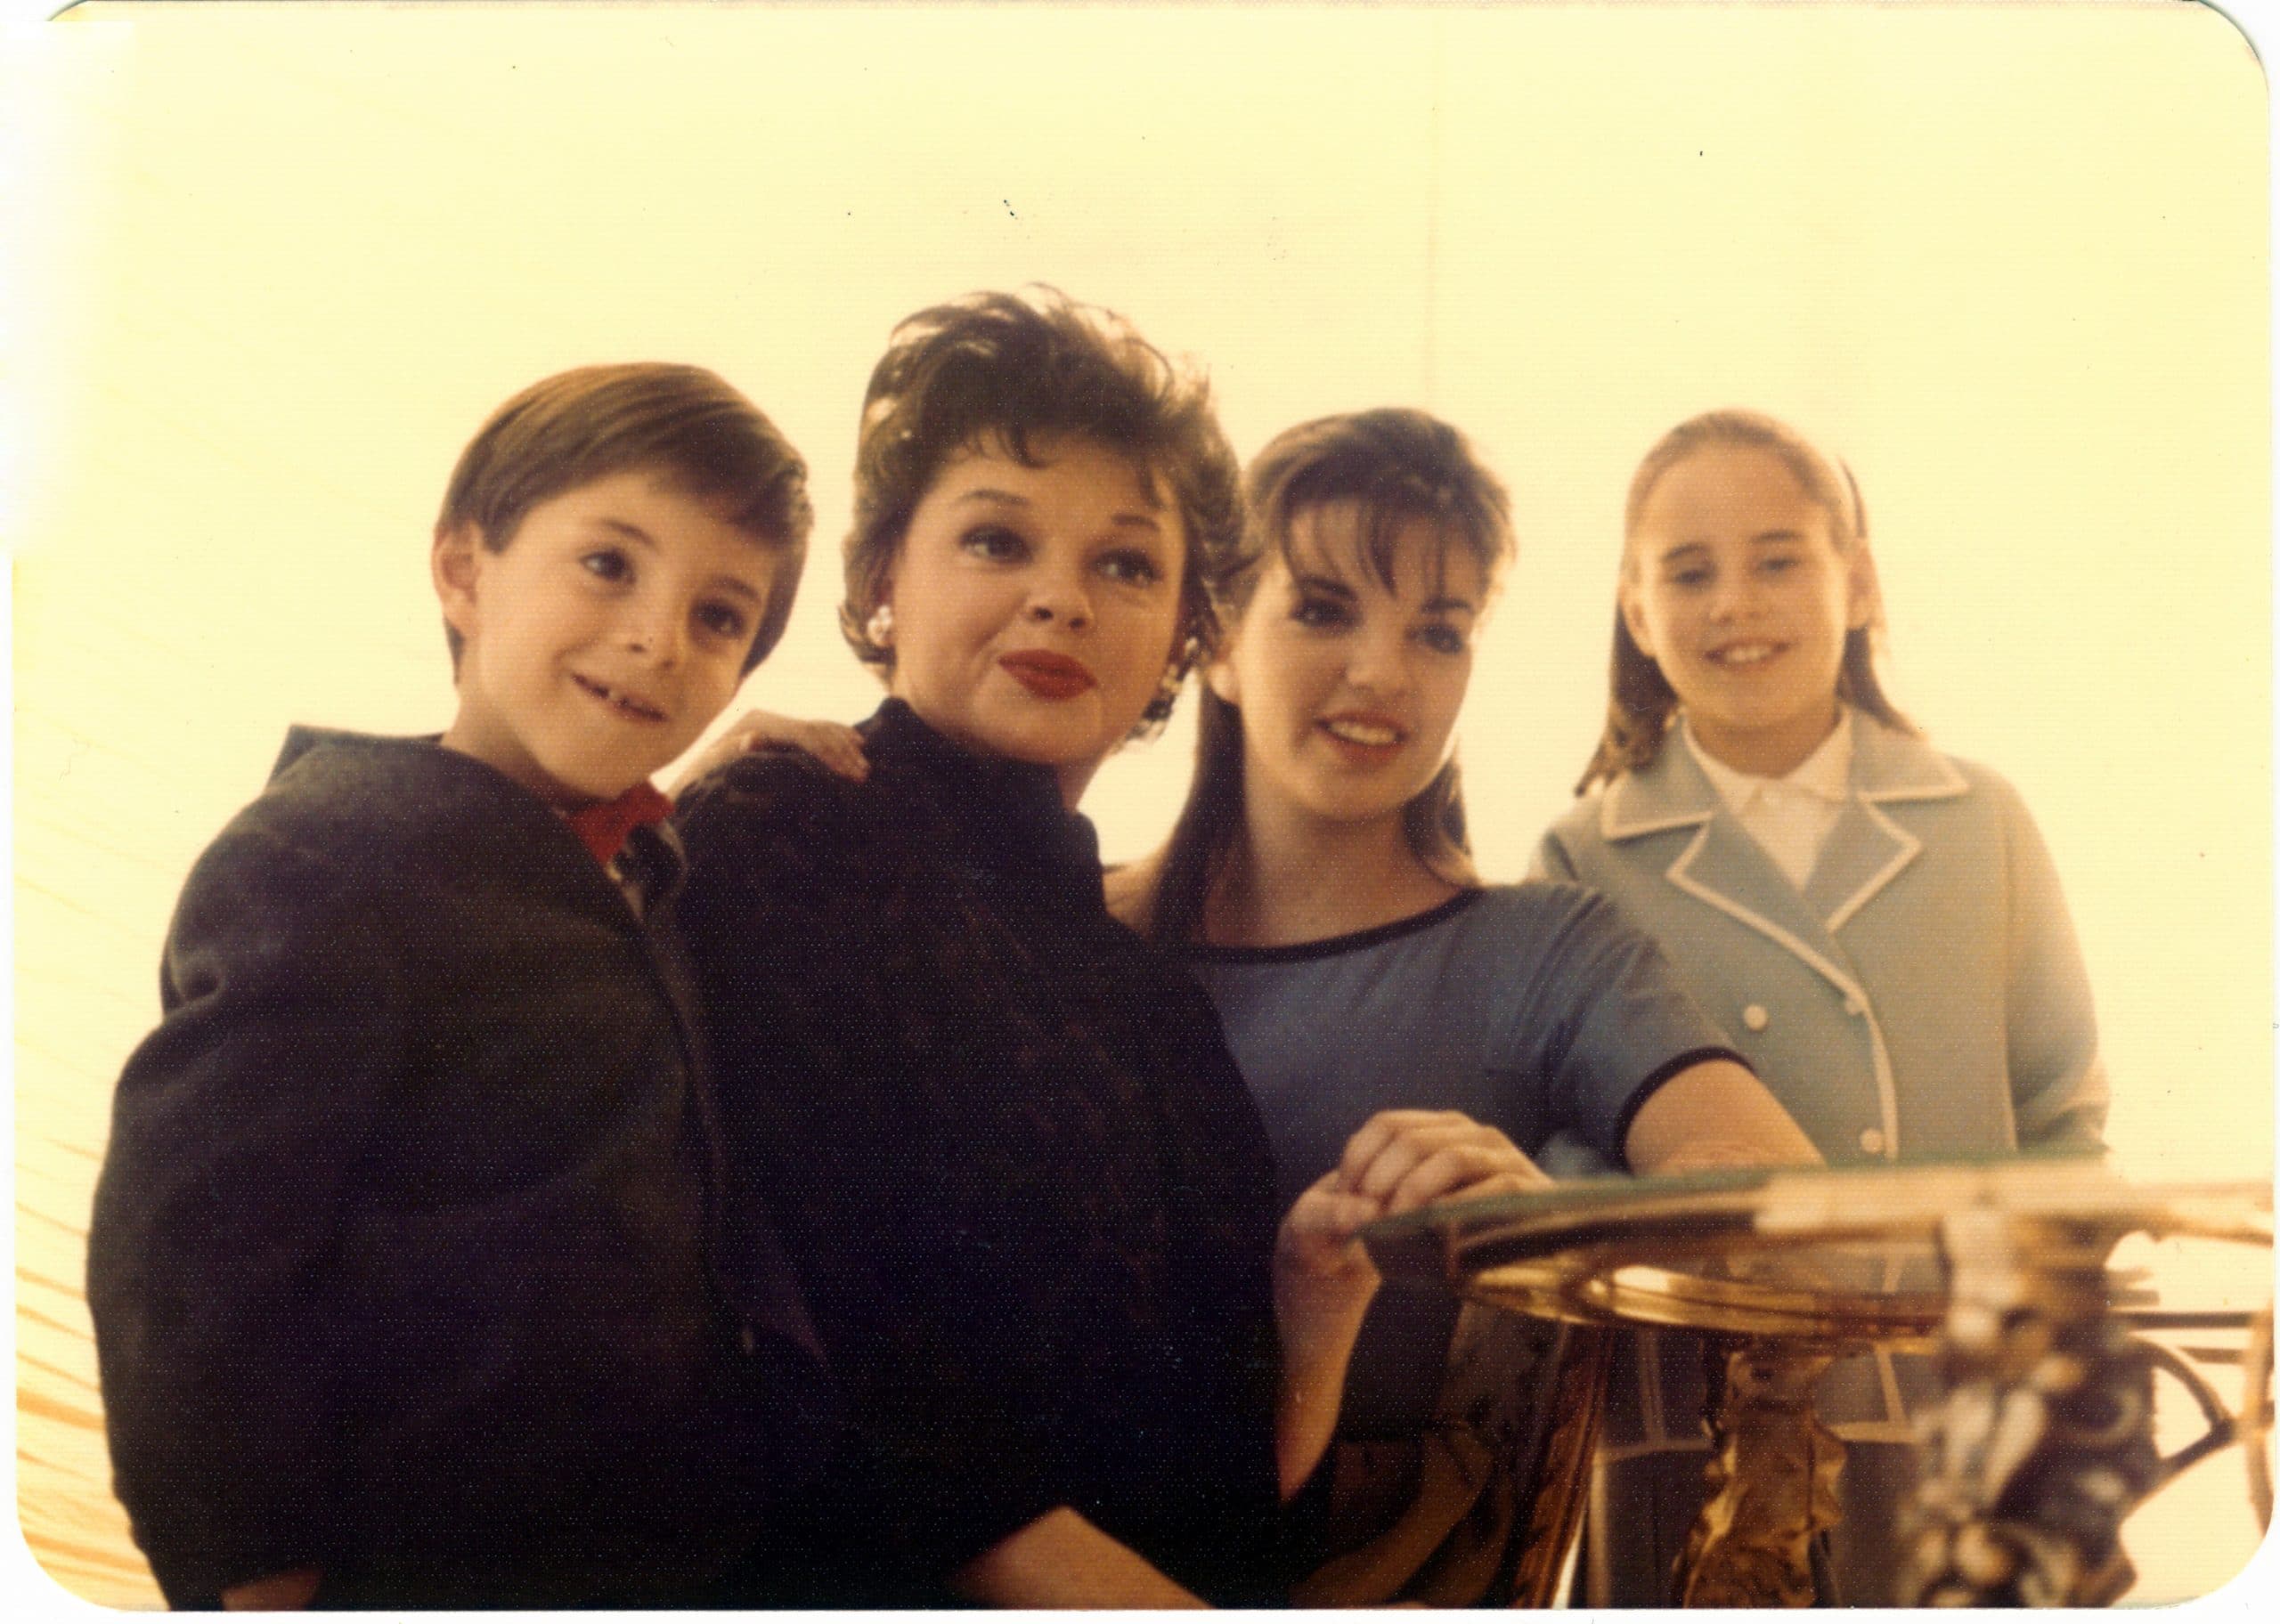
1400	467
1641	700
707	440
1012	370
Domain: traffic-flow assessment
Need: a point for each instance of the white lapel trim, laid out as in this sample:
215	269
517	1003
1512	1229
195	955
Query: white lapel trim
1907	847
1667	804
1680	875
1857	1001
1888	766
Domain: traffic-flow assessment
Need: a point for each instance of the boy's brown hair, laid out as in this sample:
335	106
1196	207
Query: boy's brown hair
706	440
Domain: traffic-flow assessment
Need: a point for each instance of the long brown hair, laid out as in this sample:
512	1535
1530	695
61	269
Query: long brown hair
1640	702
1399	468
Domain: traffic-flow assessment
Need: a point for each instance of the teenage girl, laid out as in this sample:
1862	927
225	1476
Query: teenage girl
1878	926
1318	881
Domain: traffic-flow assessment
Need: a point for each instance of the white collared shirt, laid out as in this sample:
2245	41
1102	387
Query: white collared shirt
1790	816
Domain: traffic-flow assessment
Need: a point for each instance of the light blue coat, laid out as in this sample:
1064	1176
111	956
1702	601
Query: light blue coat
1922	997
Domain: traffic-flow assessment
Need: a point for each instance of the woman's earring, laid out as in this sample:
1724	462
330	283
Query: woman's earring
879	629
1168	688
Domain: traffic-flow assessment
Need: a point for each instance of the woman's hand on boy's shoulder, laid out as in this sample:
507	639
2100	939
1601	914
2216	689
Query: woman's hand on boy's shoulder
832	745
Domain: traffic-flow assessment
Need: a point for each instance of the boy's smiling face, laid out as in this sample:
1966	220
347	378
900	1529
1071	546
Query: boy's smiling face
602	640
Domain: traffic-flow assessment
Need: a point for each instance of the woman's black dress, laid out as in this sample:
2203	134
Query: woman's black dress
1023	1182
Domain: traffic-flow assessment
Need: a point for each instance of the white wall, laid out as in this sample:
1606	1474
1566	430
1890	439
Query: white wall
2009	261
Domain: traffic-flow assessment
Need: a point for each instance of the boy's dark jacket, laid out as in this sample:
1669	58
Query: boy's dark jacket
409	1259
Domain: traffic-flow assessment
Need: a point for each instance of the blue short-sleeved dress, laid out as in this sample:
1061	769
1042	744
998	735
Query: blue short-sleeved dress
1531	1007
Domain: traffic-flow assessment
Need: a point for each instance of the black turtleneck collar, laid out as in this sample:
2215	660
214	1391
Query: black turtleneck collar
1014	829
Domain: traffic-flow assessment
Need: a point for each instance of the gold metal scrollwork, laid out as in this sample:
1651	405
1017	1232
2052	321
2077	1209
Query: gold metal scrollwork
1773	1484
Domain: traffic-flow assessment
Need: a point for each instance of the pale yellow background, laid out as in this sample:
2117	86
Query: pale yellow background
2010	261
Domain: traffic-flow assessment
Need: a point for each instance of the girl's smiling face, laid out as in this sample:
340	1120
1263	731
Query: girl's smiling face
1036	608
1734	586
1350	688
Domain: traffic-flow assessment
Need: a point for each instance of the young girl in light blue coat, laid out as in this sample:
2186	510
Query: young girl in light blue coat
1877	927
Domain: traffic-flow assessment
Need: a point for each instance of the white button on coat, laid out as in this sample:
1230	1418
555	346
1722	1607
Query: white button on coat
1872	1140
1754	1017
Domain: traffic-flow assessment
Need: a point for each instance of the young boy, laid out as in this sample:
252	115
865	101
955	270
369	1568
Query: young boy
414	1277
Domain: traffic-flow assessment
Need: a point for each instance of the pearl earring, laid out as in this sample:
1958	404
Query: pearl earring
1168	689
880	628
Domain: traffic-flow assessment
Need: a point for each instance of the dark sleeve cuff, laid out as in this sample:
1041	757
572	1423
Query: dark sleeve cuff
1661	1075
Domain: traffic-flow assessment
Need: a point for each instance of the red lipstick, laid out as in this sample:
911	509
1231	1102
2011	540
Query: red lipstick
1045	673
